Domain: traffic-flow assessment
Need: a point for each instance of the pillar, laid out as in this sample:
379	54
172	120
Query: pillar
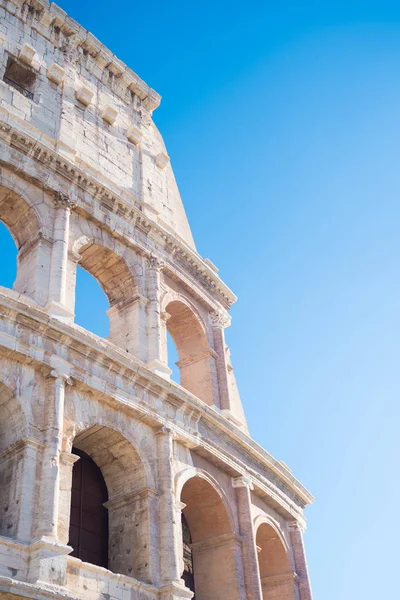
67	461
219	321
56	306
154	328
249	549
299	555
27	497
47	526
230	403
171	585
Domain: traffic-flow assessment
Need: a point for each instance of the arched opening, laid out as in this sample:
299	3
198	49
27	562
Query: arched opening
112	477
173	359
124	307
12	457
22	223
88	528
277	578
208	543
91	304
8	251
196	368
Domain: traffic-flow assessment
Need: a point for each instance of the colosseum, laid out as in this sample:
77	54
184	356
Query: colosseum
116	482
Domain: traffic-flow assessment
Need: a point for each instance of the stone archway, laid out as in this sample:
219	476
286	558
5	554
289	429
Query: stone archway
128	499
196	360
126	306
33	256
276	574
213	541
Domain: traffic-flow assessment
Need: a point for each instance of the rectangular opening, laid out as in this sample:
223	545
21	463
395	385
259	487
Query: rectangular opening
20	77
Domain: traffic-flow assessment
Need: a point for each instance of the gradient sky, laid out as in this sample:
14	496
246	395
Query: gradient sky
282	121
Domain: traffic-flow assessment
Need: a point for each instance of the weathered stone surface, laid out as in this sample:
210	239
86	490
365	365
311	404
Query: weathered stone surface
85	178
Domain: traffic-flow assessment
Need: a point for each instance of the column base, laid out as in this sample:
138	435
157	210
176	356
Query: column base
58	311
48	561
159	368
175	590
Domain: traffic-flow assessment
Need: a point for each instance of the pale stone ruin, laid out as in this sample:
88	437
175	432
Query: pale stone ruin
116	482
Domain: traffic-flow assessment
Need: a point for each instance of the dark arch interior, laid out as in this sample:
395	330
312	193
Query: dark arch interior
88	531
188	572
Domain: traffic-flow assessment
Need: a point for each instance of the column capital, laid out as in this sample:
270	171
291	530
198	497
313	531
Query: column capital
55	374
154	262
242	482
63	200
220	318
165	430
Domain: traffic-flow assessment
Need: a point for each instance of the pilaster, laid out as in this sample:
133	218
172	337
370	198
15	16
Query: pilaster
47	525
154	328
171	584
300	561
56	306
243	486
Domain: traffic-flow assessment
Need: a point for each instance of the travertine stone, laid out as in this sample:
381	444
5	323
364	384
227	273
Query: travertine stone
27	54
56	73
84	95
134	134
109	114
75	192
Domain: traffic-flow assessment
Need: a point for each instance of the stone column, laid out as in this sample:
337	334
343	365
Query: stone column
219	320
56	306
296	538
249	550
67	461
154	329
47	526
171	585
28	496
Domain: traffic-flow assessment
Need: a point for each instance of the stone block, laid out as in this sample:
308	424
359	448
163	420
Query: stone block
56	73
85	95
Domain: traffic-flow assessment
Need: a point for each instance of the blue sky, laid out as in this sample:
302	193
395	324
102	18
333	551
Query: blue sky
283	124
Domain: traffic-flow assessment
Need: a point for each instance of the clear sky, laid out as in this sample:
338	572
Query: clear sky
282	120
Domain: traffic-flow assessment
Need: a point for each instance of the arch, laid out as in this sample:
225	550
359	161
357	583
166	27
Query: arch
22	221
118	280
128	498
76	426
110	270
18	215
276	573
212	537
197	371
192	472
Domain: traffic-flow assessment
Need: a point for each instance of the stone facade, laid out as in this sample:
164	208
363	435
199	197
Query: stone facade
85	179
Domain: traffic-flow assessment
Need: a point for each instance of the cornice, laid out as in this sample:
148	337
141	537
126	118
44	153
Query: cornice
104	352
123	206
46	18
